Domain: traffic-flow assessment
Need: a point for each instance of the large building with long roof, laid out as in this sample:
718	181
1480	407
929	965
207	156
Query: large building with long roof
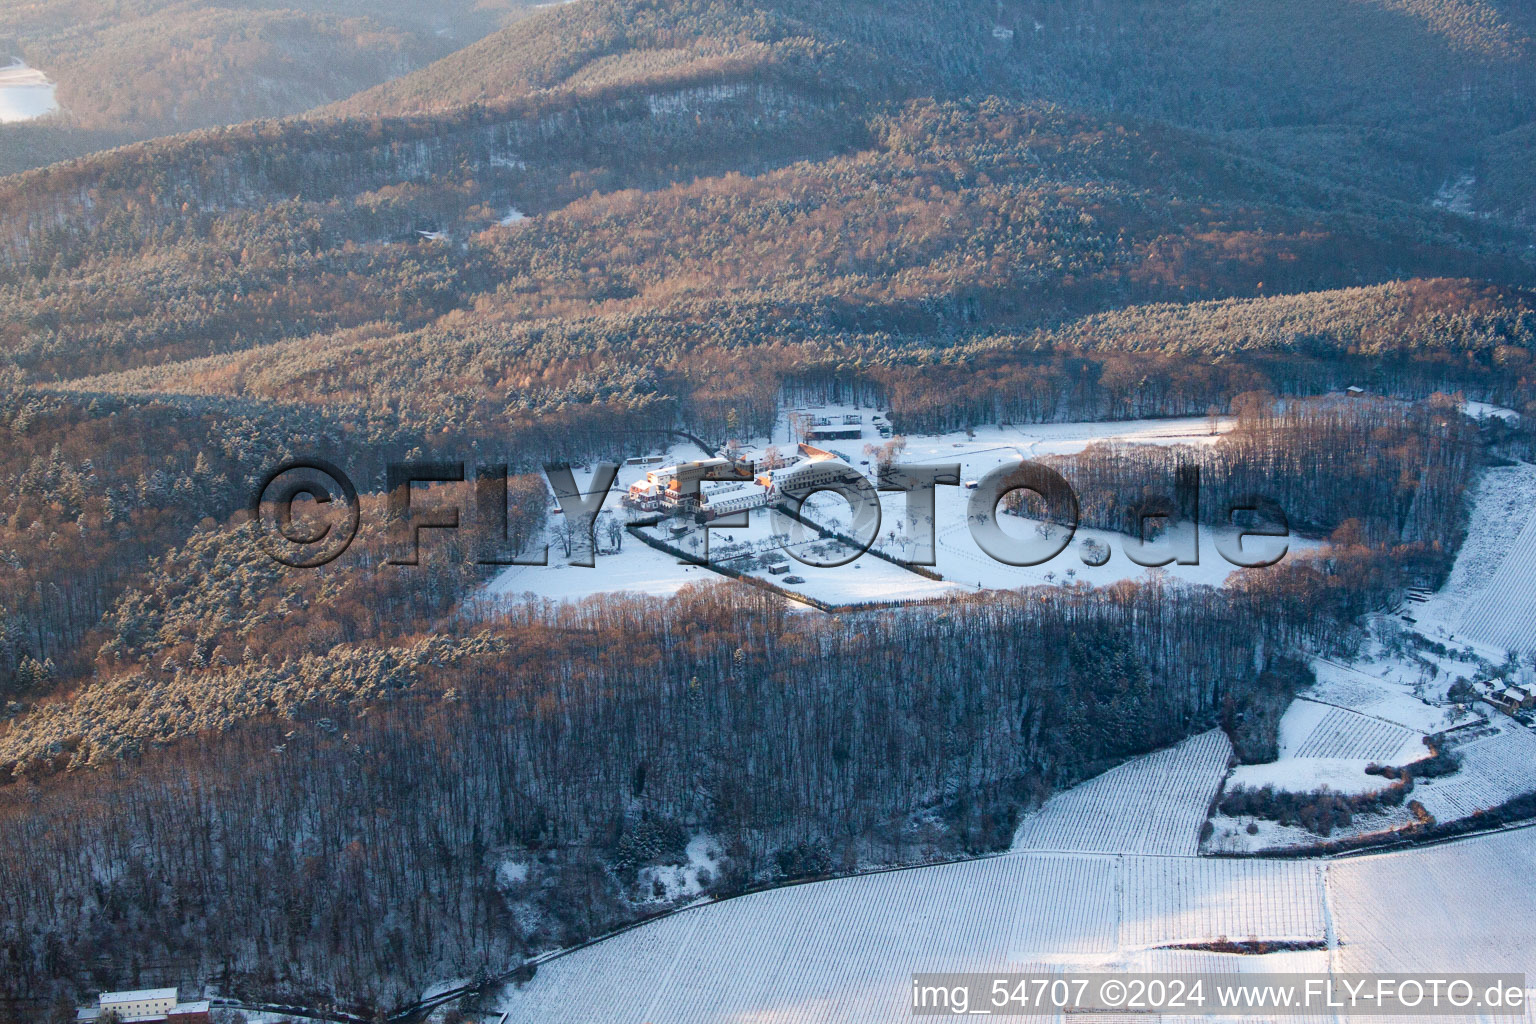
144	1006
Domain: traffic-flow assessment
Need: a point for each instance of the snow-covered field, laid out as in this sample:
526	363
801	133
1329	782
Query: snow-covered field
25	93
635	569
1298	775
1384	689
1503	614
843	951
1153	804
1494	769
1489	600
960	559
1464	906
865	579
1348	735
1378	709
1181	900
1326	746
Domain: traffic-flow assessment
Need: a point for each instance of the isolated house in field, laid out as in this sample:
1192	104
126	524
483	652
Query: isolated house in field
1354	392
145	1006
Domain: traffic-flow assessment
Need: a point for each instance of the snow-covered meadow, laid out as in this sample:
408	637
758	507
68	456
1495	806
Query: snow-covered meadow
1495	768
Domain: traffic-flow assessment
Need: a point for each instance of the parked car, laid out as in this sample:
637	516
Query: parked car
794	579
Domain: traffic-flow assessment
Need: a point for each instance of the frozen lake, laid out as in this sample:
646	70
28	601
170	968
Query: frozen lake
25	93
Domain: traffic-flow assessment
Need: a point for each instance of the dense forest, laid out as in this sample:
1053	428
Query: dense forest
1372	471
573	229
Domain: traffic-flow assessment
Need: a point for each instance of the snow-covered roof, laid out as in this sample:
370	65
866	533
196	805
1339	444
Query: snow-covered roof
731	492
667	472
810	465
139	996
717	488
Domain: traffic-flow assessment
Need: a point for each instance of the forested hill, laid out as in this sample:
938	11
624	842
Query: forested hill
135	69
614	218
1401	96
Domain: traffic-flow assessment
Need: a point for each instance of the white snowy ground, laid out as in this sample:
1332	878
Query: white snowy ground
635	569
671	882
639	569
1483	411
1498	763
1378	709
1352	717
1068	898
865	579
961	561
1324	745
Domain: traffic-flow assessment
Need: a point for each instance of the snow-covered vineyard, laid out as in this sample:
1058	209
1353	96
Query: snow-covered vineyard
1154	804
1490	600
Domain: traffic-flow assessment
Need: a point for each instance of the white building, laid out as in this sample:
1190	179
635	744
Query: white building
644	495
818	468
662	490
732	498
147	1002
145	1006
